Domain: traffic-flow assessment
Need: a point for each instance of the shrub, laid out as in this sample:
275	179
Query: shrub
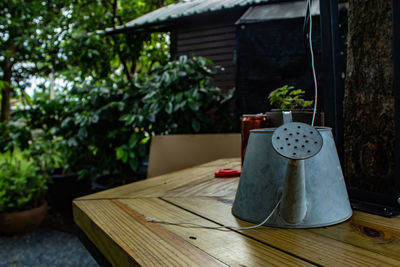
178	98
104	126
21	185
13	134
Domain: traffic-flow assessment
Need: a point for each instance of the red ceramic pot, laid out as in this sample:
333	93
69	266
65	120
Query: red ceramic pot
22	222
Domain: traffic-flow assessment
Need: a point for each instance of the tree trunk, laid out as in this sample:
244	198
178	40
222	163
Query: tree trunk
6	92
369	98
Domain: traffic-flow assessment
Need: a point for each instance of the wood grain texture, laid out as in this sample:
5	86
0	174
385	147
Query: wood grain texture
115	222
164	184
229	247
368	231
316	247
114	253
135	238
224	163
154	187
217	187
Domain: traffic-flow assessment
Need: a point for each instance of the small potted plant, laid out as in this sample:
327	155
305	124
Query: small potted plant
22	193
289	98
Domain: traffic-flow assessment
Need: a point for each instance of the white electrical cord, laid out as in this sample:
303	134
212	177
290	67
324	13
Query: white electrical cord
312	62
150	219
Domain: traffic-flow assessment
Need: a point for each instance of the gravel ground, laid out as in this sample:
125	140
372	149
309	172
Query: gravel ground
44	247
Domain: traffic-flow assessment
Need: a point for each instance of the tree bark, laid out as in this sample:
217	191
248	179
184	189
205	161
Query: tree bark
369	128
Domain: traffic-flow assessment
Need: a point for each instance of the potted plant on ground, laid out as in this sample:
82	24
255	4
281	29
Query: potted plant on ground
59	153
64	185
22	193
288	98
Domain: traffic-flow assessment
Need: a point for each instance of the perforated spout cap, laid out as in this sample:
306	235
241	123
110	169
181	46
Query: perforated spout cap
297	140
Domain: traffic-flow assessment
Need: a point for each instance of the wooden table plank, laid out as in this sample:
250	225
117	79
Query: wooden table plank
367	231
114	221
313	246
230	247
154	187
178	182
114	253
371	220
216	187
233	163
125	237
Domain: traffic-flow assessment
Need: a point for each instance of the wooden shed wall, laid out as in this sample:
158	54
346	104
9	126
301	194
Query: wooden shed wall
213	41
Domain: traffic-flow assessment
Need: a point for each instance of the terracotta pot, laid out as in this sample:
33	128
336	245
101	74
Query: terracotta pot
22	222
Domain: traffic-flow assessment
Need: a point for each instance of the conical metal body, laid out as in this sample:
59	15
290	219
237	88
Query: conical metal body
323	202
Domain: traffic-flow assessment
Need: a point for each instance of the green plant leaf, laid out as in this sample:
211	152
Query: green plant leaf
195	125
169	108
134	140
287	97
296	92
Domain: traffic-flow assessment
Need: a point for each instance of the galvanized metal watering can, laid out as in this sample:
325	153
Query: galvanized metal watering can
298	165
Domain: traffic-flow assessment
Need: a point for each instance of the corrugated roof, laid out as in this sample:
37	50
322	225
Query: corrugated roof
288	10
183	9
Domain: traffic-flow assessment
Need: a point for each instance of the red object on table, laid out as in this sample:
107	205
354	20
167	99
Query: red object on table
227	173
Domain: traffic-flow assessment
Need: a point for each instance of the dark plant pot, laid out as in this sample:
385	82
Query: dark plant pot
109	181
63	189
305	116
22	222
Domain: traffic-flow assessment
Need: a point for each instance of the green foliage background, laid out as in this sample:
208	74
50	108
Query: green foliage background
55	39
116	90
103	126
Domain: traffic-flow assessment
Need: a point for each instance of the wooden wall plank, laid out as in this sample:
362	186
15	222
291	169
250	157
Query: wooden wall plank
207	38
206	46
228	67
228	57
208	51
225	84
191	33
215	42
224	76
220	24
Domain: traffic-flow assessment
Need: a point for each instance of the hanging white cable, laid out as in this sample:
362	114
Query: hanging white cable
150	219
312	63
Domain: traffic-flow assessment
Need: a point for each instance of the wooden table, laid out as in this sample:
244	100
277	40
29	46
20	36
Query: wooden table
114	221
